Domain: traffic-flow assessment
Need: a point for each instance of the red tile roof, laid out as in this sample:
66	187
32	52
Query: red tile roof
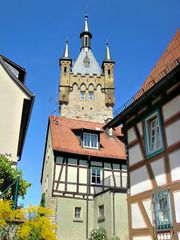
171	54
168	61
65	140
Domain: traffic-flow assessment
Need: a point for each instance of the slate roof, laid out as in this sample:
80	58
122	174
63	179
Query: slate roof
64	138
79	66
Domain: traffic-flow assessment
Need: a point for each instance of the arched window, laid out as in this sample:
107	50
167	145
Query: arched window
91	92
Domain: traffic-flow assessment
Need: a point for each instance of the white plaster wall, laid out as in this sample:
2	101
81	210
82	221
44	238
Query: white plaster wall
107	174
72	174
139	181
172	133
148	207
131	135
82	189
57	172
11	103
140	128
135	155
142	238
82	175
71	188
172	107
47	180
124	179
63	173
137	218
159	171
61	187
177	205
178	235
174	159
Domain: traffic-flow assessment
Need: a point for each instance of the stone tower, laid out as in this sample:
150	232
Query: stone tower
86	89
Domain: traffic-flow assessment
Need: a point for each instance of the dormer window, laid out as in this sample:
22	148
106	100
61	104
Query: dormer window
90	140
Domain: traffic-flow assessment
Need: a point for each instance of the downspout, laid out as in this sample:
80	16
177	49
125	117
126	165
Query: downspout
114	228
87	198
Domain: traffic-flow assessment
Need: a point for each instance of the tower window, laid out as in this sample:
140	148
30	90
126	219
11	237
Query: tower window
86	41
91	95
109	72
65	70
82	95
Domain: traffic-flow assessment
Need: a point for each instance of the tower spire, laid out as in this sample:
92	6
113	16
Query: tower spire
66	50
108	55
86	29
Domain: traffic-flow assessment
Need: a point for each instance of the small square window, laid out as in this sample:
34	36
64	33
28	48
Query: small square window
91	95
101	212
96	175
153	134
90	140
162	210
77	213
82	95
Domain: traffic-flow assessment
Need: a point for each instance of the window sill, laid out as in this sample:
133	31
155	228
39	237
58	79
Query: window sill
150	155
92	148
77	220
102	219
164	228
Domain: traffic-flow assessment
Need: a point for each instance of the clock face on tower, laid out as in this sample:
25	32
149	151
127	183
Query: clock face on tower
86	61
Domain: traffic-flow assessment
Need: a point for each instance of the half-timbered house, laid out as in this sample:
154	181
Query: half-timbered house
84	173
151	124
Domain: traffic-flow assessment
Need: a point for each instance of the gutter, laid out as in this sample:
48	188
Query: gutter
116	121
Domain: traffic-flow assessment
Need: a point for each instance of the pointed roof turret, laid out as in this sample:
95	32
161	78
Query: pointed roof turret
66	54
86	29
66	51
108	55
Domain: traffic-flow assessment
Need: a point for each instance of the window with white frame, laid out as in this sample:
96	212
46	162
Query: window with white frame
91	95
101	212
77	213
82	95
90	140
96	175
153	134
162	207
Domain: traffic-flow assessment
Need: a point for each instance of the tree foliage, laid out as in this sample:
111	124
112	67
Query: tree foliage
8	176
37	225
9	219
25	224
100	233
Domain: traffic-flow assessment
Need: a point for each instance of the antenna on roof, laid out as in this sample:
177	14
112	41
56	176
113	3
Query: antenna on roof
86	7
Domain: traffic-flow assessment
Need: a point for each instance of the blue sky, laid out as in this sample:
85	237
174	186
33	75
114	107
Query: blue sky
33	34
